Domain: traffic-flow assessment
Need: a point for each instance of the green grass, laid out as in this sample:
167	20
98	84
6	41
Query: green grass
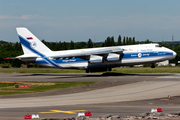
8	88
114	70
39	70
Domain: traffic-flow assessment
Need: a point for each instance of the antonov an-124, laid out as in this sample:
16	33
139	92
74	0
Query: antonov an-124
91	59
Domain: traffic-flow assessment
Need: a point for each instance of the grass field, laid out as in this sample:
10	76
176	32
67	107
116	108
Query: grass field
39	70
114	70
8	88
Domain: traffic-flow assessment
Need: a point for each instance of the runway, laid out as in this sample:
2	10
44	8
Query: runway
132	98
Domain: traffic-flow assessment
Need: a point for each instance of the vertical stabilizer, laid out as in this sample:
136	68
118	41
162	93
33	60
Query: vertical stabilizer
30	43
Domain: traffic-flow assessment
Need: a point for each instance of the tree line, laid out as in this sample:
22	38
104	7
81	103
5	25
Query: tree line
9	49
109	41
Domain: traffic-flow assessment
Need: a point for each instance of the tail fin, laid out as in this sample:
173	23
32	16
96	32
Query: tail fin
30	43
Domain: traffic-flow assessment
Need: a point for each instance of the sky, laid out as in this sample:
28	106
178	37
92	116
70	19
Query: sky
79	20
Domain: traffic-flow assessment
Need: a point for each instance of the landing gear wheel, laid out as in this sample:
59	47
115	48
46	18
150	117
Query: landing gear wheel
109	69
87	70
153	65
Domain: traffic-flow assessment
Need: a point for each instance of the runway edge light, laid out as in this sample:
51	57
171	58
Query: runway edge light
27	116
81	114
35	116
156	110
88	113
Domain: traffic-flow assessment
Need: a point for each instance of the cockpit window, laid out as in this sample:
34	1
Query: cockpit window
158	46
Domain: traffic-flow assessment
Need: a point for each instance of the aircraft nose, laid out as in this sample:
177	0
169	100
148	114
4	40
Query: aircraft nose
174	54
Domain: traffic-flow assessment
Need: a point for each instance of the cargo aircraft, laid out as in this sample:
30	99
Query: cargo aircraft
91	59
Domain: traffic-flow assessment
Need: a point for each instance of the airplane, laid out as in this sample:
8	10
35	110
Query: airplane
91	59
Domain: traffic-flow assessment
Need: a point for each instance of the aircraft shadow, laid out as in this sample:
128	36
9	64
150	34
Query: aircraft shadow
65	75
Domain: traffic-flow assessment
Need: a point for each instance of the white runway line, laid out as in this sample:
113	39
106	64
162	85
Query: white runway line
174	76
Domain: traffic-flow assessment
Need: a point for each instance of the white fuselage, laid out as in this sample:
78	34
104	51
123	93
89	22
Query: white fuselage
93	59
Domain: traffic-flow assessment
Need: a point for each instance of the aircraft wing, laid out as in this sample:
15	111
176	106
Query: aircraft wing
84	53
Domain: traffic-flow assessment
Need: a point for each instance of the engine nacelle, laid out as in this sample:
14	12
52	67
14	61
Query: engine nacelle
94	59
113	57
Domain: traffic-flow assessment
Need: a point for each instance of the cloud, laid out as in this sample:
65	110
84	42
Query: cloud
4	17
23	17
26	17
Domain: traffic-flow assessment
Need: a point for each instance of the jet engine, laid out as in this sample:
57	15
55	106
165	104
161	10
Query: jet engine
95	59
113	57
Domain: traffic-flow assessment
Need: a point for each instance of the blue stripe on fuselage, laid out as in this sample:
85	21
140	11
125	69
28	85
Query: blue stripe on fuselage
146	54
62	61
126	56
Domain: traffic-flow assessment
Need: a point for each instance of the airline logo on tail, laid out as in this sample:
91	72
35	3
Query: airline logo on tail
33	44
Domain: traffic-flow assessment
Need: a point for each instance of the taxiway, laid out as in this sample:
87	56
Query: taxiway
144	91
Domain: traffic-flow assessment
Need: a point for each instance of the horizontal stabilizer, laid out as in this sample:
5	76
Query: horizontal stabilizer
9	58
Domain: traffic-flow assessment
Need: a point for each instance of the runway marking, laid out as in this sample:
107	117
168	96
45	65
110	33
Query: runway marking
60	111
170	104
164	99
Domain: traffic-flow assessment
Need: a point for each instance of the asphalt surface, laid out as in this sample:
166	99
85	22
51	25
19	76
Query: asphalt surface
123	94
